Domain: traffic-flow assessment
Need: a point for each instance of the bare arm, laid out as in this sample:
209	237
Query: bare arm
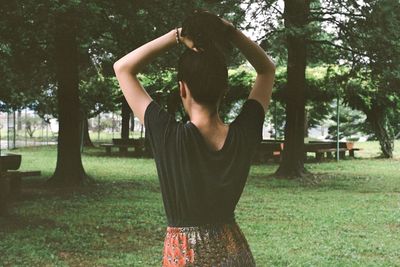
131	64
264	66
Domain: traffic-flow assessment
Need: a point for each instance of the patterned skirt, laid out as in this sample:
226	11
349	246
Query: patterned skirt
222	245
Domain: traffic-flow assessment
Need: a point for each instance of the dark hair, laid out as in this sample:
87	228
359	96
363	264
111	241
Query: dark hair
205	72
207	31
206	75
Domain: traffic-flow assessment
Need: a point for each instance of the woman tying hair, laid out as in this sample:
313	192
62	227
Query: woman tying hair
203	164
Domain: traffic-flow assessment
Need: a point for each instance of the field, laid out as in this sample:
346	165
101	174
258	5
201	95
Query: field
346	214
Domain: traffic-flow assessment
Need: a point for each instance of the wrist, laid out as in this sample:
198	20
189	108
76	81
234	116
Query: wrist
177	35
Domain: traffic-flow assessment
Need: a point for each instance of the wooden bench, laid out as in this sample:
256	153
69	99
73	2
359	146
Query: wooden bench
320	148
268	149
319	153
351	151
124	144
10	178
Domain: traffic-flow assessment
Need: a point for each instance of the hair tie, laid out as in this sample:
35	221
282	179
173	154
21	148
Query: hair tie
178	41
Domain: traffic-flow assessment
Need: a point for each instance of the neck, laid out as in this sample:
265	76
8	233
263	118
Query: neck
202	116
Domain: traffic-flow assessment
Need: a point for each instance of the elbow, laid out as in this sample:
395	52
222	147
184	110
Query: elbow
118	67
268	69
272	67
121	67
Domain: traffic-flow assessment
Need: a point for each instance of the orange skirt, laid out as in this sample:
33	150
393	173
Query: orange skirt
220	245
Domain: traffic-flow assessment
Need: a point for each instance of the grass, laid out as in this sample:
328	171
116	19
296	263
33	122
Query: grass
346	214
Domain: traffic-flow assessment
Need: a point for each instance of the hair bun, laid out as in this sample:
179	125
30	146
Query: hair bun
207	31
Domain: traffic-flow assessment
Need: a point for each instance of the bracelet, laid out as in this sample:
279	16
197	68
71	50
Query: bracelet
178	41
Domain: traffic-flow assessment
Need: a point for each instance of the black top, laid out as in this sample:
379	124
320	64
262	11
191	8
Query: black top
200	185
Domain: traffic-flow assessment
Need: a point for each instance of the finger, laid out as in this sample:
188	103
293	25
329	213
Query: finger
198	49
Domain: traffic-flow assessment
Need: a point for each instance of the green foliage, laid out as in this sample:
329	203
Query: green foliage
31	123
373	83
99	94
351	124
106	30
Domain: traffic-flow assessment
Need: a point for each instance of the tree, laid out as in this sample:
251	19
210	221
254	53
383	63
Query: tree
66	37
69	169
372	81
292	163
31	124
98	94
351	123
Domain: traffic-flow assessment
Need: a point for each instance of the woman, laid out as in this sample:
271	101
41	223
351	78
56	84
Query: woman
203	164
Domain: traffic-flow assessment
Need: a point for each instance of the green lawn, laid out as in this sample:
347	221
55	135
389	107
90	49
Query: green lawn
348	214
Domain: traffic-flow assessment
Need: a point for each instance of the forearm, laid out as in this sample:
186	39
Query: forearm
253	53
134	61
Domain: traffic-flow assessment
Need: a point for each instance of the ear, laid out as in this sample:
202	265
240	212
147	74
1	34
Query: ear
182	89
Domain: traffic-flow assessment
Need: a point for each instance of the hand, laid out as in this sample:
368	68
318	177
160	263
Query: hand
188	42
202	30
228	24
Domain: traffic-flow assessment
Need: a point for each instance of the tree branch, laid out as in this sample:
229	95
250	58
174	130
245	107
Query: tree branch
337	46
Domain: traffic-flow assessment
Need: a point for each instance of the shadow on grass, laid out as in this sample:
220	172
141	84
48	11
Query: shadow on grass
37	188
108	217
100	152
14	222
321	181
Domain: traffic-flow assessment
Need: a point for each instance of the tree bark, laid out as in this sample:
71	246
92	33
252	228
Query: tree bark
126	114
87	142
377	119
292	164
132	119
69	169
306	123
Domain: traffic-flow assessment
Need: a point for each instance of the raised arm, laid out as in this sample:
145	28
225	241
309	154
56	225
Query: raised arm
262	63
131	64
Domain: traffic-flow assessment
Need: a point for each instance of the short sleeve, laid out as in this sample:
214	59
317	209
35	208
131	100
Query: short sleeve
251	120
157	122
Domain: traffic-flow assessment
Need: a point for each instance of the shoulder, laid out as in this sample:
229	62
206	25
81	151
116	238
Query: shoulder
155	112
255	104
252	110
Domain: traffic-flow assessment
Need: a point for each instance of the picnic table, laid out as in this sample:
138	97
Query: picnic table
124	144
320	148
10	178
269	149
273	149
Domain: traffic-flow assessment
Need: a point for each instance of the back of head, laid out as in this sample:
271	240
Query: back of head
206	75
205	72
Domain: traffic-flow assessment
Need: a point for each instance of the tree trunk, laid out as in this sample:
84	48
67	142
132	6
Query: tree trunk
69	169
132	119
19	123
305	124
292	164
126	114
87	142
377	119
